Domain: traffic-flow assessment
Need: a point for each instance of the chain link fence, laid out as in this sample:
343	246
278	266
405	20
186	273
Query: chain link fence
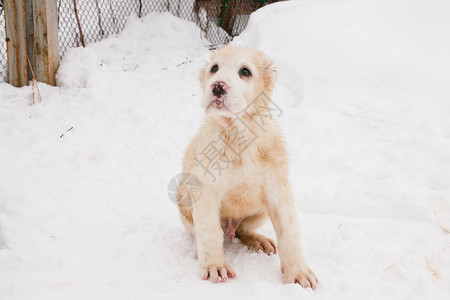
3	57
86	21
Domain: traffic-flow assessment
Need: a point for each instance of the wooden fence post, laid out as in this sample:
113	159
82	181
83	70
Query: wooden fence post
31	32
29	29
45	40
16	42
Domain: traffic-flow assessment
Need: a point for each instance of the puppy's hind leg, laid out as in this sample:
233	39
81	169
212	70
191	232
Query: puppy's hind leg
186	218
254	241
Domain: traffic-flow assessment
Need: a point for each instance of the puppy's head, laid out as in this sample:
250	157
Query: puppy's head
233	79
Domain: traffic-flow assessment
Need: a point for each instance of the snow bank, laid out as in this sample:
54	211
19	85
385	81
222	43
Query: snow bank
84	212
141	44
374	128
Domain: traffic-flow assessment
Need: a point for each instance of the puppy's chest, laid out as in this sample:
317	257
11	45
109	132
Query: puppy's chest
222	161
245	163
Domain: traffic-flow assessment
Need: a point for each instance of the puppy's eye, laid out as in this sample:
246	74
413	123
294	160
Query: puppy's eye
245	72
214	69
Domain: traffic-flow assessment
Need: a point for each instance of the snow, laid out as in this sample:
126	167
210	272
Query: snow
84	212
382	88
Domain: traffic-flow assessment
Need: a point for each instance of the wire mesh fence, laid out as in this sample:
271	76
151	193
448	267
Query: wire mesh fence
3	57
86	21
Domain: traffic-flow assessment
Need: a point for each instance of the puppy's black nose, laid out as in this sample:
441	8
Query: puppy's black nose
219	88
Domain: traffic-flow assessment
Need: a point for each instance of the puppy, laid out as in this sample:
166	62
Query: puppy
240	161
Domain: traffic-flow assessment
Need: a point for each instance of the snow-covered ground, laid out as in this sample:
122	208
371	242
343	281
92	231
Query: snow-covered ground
364	87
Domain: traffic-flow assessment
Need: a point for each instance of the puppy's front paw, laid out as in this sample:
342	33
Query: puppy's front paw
301	275
217	272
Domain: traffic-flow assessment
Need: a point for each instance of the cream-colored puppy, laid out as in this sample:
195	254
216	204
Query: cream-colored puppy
240	160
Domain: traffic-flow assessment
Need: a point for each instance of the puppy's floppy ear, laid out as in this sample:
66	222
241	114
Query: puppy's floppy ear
270	73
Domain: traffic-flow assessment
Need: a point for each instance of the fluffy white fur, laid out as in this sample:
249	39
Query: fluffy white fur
255	185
